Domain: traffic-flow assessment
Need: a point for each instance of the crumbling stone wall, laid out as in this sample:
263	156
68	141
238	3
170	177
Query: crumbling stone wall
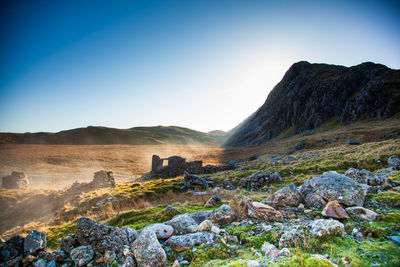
103	179
16	180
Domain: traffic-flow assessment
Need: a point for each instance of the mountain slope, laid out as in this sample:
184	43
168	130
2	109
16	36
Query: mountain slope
311	94
103	135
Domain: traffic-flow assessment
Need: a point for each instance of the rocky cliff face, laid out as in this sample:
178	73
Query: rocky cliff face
310	94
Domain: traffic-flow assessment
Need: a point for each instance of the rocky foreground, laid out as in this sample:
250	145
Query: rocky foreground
291	219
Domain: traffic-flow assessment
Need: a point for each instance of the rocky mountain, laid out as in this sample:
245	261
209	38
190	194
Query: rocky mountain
311	94
102	135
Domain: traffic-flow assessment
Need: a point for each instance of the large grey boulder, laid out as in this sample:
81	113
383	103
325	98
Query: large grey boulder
286	196
162	231
82	255
184	242
101	237
322	228
183	224
148	251
334	186
34	242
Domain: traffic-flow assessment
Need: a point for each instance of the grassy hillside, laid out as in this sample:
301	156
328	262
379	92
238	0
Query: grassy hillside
102	135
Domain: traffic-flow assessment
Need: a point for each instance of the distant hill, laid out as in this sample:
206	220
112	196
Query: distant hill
102	135
312	94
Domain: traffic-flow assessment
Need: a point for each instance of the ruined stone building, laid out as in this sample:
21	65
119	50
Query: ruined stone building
16	180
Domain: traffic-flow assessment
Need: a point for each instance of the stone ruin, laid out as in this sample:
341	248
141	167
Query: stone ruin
103	179
177	166
16	180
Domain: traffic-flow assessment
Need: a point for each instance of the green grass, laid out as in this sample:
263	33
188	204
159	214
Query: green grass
391	198
56	233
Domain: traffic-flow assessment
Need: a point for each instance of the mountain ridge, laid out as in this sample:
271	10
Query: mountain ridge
100	135
310	94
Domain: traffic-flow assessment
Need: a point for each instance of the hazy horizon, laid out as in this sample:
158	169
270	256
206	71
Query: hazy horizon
203	65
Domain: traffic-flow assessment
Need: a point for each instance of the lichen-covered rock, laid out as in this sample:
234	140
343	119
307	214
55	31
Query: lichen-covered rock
322	228
334	210
270	251
258	180
34	242
82	255
131	234
162	231
57	256
148	251
68	242
286	196
200	216
12	248
213	200
314	201
334	186
205	226
292	238
184	242
362	214
242	207
365	177
222	217
393	162
101	237
265	212
183	224
129	262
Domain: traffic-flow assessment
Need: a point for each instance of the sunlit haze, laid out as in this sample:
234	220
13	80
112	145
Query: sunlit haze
204	65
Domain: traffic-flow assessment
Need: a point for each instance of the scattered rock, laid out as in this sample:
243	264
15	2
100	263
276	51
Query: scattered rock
322	228
286	196
352	142
147	250
222	217
184	242
183	224
17	180
12	248
292	238
314	201
213	201
362	214
34	242
68	242
82	255
241	207
258	180
365	177
228	185
334	210
105	201
393	162
162	231
395	238
101	237
300	145
131	234
265	212
205	226
271	251
334	186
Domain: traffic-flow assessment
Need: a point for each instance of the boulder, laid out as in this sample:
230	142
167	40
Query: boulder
286	196
16	180
213	200
335	211
334	186
148	251
82	255
314	201
258	180
292	238
228	185
393	162
184	242
68	242
322	228
129	262
241	207
365	177
101	237
198	217
57	256
205	226
162	231
131	234
352	142
34	242
362	214
266	213
222	217
270	251
183	224
12	248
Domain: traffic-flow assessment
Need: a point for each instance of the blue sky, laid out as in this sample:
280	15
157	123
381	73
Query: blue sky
205	65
